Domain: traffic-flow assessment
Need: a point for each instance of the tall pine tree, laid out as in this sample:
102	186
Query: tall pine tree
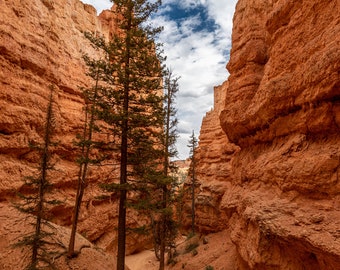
167	229
134	107
97	70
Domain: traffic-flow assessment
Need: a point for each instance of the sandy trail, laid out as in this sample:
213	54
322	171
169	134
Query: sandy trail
144	260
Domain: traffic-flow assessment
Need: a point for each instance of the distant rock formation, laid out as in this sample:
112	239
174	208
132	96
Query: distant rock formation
213	167
272	177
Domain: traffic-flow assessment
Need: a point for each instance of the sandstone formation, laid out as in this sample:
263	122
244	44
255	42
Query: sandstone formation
272	179
41	44
213	166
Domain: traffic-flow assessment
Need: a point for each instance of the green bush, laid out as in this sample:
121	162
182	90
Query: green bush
190	235
191	247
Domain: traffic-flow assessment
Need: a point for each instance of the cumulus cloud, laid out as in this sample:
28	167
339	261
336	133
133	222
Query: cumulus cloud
196	40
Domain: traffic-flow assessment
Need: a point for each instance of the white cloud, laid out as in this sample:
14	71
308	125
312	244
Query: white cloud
99	4
186	4
199	58
222	12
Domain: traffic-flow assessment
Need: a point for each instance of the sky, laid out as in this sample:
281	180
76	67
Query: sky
196	40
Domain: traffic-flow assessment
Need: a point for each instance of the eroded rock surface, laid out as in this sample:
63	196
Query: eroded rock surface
213	167
281	107
41	44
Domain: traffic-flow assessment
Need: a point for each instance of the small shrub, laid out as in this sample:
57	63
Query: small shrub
191	247
172	261
102	197
209	267
190	235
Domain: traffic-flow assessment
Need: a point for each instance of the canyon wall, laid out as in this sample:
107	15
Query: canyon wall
271	178
213	166
41	45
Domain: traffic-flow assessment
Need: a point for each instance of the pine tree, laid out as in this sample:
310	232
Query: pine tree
97	70
193	145
134	107
36	203
167	230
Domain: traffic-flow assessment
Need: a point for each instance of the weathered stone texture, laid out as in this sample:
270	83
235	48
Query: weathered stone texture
281	107
41	44
213	166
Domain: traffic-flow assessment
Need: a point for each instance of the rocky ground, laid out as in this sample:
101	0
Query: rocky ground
196	253
14	225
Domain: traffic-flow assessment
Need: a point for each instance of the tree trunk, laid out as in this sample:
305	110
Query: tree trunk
124	148
42	183
163	229
85	153
122	197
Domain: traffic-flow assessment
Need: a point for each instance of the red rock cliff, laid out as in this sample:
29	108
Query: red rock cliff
41	43
213	166
279	193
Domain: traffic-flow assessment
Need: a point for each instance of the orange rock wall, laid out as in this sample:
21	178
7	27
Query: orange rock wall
41	43
280	195
213	166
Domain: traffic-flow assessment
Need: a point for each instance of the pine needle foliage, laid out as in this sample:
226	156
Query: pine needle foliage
168	227
97	70
133	107
141	119
193	142
35	201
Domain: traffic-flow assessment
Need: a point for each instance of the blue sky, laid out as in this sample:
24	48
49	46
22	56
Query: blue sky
197	42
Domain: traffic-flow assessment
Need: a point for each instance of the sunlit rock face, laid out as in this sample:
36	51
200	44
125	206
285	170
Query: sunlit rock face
41	44
272	176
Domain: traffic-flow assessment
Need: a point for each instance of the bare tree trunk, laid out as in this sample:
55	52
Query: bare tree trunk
193	144
163	231
122	198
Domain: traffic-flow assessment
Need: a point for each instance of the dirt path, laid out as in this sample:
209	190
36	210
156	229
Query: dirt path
142	261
